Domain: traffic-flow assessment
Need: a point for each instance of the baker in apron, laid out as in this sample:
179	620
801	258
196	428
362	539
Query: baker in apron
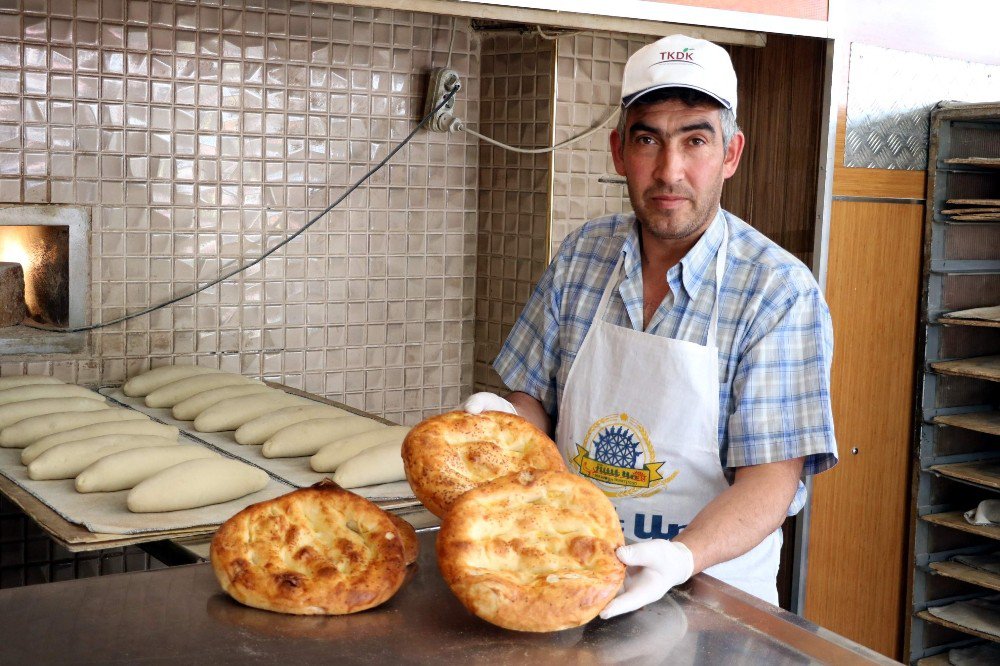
639	412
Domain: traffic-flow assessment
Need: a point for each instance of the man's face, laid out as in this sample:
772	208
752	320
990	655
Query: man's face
674	162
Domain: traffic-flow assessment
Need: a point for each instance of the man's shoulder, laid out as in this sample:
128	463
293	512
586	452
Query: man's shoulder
761	256
594	236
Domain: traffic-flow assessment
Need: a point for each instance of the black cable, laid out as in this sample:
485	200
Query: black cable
447	98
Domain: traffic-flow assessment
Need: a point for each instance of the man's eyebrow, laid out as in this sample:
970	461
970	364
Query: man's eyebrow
643	127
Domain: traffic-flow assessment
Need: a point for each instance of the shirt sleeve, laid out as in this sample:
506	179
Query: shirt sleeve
529	359
780	400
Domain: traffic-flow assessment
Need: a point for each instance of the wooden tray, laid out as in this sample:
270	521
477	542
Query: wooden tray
985	474
980	367
987	162
988	422
924	615
956	521
968	574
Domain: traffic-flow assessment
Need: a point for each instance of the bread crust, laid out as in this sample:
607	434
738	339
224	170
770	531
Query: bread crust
533	551
315	551
407	537
448	455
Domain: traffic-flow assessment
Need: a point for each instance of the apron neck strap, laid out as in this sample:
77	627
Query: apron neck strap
720	270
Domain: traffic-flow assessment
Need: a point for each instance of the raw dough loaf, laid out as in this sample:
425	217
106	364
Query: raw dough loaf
335	453
27	380
39	391
146	427
188	410
378	464
149	381
25	432
449	454
121	471
308	437
263	427
532	551
231	413
170	394
315	551
66	460
18	411
196	483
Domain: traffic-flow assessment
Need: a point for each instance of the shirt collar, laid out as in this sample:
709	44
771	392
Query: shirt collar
691	269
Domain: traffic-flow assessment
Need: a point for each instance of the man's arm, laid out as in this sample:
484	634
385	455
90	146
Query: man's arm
741	516
531	409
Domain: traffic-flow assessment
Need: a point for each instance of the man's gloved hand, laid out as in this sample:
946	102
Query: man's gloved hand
478	403
654	567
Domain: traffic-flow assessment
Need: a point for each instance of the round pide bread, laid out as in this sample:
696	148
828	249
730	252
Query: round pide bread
532	551
448	455
315	551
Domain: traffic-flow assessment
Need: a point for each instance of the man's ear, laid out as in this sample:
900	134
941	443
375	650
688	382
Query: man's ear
733	154
618	152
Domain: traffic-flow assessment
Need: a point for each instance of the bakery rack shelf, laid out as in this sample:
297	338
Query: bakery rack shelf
956	419
986	422
964	572
956	521
984	474
936	660
924	615
979	367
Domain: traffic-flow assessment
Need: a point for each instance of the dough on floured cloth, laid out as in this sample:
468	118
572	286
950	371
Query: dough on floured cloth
196	483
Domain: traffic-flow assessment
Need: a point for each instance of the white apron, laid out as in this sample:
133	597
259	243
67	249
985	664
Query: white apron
639	416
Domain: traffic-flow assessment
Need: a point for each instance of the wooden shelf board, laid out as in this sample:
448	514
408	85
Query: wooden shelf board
924	615
985	474
988	162
955	321
936	660
980	367
955	520
968	574
987	422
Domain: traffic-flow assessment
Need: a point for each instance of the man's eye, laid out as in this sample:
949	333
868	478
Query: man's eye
698	141
645	140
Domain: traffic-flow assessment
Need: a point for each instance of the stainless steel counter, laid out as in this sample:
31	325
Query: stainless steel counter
180	615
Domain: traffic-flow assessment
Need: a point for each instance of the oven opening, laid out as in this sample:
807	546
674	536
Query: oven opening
43	253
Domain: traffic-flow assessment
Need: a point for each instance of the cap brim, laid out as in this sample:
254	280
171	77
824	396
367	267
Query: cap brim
628	101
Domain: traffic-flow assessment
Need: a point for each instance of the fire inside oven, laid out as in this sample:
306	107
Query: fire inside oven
43	253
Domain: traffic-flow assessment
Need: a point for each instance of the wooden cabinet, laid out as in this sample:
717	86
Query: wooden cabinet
958	444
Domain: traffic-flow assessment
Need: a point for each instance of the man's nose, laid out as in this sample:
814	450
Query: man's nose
669	165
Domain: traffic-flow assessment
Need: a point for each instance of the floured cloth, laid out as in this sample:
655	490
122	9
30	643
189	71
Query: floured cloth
295	471
107	512
988	563
985	654
991	313
986	513
982	614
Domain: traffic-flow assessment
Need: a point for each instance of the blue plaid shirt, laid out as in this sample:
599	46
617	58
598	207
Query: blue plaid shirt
775	337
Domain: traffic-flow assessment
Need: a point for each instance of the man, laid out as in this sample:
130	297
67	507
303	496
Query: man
681	356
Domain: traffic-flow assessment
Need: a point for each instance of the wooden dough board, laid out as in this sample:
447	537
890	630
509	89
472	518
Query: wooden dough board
924	615
76	538
964	572
955	520
980	367
985	474
988	422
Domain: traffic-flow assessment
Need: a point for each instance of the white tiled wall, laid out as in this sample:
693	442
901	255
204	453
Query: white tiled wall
202	133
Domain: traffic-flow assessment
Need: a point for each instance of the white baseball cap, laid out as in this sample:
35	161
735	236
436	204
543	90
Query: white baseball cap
679	61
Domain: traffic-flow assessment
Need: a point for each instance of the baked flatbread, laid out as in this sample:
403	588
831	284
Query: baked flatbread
315	551
532	551
449	454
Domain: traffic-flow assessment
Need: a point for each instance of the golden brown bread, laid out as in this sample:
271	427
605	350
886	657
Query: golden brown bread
533	551
407	537
447	455
315	551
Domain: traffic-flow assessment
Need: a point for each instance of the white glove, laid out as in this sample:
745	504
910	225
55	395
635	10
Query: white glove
654	566
478	403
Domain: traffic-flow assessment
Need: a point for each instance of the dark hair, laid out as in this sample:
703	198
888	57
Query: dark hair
688	97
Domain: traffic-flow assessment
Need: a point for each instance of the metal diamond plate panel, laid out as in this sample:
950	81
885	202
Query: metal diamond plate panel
890	97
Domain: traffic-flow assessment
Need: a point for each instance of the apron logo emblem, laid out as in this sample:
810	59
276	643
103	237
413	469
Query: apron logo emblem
620	455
